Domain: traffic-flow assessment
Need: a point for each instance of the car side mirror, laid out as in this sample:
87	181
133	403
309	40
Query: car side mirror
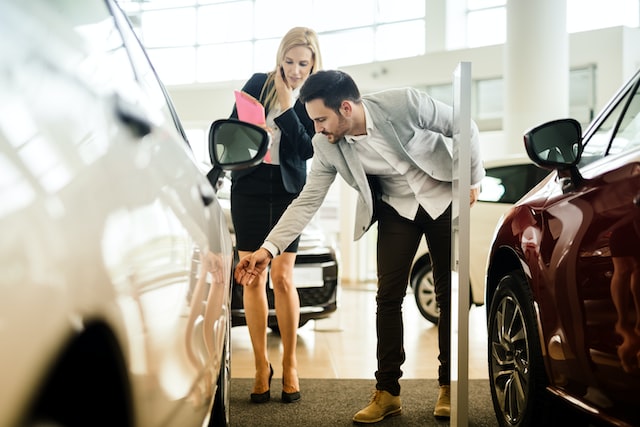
235	144
555	145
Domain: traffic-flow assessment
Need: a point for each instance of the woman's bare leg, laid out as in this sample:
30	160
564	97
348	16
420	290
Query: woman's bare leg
256	310
287	304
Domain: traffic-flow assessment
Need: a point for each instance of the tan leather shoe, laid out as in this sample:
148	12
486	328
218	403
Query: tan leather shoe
383	404
443	405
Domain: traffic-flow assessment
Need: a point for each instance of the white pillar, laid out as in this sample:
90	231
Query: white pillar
536	68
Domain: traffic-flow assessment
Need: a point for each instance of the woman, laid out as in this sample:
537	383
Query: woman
260	195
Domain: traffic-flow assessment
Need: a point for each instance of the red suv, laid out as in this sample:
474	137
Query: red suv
563	278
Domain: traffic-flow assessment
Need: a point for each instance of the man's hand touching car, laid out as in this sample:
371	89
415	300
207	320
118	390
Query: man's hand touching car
251	266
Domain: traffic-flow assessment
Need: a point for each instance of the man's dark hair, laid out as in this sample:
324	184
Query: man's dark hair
332	86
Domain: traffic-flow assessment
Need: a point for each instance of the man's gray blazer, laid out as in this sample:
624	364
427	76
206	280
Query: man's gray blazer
418	127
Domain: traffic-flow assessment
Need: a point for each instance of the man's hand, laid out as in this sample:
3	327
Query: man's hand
251	266
473	196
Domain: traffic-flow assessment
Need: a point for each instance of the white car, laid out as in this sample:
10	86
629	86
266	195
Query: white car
115	256
507	180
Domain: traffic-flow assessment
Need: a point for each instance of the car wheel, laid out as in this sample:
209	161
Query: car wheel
424	292
221	404
516	370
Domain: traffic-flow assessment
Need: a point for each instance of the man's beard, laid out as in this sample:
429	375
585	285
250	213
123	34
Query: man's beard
341	131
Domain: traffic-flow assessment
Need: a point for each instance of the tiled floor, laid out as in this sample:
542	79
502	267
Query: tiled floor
344	345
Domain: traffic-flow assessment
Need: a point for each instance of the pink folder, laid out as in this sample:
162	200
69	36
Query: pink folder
249	109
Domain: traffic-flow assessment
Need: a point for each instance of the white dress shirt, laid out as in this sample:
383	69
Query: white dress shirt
404	187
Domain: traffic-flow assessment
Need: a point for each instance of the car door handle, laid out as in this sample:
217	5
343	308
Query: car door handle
132	117
636	200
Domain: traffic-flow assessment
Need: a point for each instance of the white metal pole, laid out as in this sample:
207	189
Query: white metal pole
460	246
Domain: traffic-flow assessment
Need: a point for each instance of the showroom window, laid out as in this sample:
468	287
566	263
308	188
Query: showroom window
487	108
214	40
243	34
479	14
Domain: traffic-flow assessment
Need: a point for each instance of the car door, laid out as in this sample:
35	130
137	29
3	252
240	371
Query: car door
204	348
201	254
593	233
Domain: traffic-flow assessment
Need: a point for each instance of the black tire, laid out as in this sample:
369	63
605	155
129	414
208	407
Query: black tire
221	404
86	386
424	292
517	374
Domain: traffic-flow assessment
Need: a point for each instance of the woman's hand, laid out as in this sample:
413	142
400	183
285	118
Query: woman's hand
283	90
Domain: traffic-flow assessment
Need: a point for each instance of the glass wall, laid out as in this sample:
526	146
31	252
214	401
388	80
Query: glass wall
487	107
188	39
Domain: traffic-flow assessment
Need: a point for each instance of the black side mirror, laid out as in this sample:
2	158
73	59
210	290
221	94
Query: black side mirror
555	145
235	144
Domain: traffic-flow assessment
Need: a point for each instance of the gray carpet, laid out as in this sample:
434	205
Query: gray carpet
333	402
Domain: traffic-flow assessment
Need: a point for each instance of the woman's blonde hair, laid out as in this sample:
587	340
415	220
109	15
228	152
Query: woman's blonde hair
297	36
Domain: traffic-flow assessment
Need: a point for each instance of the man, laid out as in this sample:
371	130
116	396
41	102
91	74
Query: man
398	139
